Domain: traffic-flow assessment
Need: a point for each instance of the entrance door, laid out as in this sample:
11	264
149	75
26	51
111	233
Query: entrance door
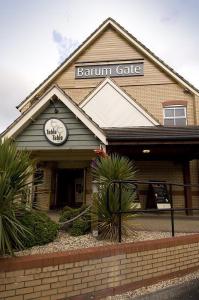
69	187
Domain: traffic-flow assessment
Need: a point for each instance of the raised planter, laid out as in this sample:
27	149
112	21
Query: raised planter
93	273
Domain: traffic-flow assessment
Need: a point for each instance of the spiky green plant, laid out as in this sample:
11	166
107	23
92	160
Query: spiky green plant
15	169
104	170
113	167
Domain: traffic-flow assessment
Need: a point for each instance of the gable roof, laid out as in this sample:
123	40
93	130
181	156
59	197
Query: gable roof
130	38
110	106
25	119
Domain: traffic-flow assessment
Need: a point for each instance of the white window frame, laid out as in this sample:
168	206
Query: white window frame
175	117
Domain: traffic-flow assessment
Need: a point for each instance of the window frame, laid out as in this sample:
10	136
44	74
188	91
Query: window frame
175	117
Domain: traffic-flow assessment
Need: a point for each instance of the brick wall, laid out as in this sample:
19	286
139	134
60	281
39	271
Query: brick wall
94	273
161	170
169	171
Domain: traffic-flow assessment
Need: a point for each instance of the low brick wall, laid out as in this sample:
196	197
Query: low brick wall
94	273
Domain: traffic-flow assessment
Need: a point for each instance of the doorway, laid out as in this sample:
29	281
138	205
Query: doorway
69	188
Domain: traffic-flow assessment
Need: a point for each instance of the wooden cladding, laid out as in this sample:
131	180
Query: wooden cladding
80	137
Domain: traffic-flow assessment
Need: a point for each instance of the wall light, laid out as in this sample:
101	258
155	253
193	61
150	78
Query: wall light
146	151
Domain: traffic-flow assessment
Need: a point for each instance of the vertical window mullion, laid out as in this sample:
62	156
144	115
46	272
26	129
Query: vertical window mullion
174	116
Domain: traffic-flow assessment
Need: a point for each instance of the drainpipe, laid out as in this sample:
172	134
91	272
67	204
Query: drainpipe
94	218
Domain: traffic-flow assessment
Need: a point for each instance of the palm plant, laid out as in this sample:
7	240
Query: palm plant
104	170
15	169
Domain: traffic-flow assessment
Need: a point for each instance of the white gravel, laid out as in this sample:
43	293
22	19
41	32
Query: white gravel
66	242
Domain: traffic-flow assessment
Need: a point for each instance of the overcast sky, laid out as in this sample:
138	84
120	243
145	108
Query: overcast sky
36	35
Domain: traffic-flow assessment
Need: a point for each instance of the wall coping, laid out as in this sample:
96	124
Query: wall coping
8	264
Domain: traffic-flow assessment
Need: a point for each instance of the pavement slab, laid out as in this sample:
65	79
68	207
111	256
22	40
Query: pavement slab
184	291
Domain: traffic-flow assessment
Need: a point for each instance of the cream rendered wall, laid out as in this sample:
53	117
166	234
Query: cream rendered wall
108	108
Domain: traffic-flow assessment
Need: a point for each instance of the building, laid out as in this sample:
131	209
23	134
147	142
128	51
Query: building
111	93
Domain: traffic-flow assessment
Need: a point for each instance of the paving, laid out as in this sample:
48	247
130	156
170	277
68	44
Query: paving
156	222
54	215
161	222
185	291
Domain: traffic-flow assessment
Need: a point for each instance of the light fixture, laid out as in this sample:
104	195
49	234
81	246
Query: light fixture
55	108
146	151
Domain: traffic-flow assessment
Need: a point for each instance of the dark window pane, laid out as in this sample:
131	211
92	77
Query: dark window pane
169	112
180	112
169	122
181	122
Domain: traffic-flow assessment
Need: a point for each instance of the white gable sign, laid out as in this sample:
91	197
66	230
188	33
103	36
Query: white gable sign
109	106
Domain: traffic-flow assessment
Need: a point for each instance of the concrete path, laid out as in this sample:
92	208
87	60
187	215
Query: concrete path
156	222
161	222
185	291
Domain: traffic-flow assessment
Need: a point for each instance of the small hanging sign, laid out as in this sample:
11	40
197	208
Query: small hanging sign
55	131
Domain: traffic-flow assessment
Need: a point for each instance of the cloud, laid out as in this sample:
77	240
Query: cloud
170	17
57	37
64	44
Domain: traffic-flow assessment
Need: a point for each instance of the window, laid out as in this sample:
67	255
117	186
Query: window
175	116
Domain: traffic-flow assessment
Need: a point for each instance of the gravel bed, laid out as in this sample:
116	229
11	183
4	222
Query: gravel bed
66	242
155	287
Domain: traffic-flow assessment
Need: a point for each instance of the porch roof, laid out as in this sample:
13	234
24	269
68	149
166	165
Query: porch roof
153	134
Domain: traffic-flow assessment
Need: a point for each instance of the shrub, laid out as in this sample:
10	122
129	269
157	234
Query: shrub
16	167
104	170
80	227
68	215
43	230
67	208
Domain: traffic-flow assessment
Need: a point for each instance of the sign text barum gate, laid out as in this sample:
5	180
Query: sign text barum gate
110	70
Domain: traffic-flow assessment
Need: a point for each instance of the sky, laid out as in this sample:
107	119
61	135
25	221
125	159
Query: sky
37	35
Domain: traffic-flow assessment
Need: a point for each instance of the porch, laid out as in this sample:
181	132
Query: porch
65	178
160	154
167	154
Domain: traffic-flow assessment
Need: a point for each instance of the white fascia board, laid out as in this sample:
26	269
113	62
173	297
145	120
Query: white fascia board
41	103
123	94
